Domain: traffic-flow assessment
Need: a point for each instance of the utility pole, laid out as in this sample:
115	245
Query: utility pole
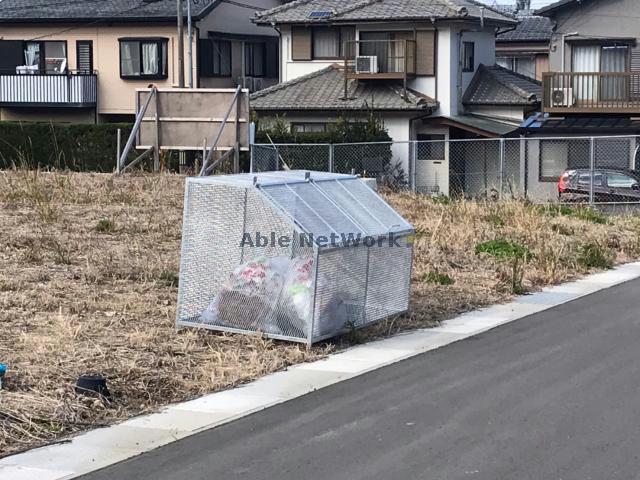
180	45
190	37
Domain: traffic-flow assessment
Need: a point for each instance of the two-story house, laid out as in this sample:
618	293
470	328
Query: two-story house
525	48
592	89
427	67
81	60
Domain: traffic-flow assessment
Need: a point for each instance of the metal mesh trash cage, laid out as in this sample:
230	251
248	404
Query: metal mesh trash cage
296	255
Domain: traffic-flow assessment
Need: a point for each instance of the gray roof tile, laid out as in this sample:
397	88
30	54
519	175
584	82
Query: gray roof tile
324	90
498	86
125	10
530	29
370	10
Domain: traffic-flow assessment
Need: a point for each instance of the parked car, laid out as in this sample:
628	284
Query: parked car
609	185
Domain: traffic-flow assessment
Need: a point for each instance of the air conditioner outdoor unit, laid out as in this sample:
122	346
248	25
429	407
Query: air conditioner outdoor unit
246	82
562	97
258	84
366	64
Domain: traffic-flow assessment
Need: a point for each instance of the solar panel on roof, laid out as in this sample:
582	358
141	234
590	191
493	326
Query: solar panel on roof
320	14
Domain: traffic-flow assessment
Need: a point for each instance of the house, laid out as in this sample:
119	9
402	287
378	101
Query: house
525	48
80	61
592	89
427	67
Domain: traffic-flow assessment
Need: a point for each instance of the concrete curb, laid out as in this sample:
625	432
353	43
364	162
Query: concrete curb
99	448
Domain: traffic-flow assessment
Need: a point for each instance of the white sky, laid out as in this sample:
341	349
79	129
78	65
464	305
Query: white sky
534	3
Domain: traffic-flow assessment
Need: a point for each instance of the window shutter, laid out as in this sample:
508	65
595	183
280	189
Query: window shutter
301	43
273	62
205	57
84	56
635	68
11	55
426	52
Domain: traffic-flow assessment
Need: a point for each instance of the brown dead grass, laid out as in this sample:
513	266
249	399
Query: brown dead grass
88	278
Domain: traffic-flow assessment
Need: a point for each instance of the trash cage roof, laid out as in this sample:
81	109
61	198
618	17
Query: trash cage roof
334	206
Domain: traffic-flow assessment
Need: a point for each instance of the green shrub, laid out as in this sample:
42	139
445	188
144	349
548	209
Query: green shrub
78	147
582	213
105	225
168	278
503	249
594	255
438	278
516	254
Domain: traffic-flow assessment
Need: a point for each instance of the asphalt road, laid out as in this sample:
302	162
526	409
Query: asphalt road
552	396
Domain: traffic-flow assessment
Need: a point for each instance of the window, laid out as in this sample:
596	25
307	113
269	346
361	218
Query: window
556	156
554	159
214	57
309	127
584	179
221	53
329	43
55	57
619	180
84	56
143	58
45	57
254	59
430	147
468	56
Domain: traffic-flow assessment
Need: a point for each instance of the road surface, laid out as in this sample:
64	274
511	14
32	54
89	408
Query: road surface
552	396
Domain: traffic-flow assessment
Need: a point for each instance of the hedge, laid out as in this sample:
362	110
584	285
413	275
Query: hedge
79	147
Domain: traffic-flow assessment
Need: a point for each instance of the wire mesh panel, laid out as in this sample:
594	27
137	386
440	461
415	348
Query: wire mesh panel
257	255
388	285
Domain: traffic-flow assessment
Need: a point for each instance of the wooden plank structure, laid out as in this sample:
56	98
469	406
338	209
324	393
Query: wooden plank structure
211	120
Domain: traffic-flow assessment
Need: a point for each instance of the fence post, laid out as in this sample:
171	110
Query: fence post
412	165
277	157
501	168
331	152
592	164
118	148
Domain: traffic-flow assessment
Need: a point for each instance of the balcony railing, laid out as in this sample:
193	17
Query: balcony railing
601	92
62	90
380	59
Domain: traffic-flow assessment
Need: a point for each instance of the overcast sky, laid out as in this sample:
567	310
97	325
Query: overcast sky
534	3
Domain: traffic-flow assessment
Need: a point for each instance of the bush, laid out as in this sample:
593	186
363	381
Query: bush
503	249
78	147
581	213
595	255
438	278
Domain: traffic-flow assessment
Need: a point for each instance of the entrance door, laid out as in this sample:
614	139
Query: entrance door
432	166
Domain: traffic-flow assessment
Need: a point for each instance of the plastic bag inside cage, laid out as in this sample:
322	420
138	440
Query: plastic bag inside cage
251	260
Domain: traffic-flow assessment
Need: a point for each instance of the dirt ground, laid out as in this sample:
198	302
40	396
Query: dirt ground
88	284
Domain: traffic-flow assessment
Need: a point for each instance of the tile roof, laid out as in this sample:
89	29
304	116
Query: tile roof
530	29
498	86
324	90
91	10
298	11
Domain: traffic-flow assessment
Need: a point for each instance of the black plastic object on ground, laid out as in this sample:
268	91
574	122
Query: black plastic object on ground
88	384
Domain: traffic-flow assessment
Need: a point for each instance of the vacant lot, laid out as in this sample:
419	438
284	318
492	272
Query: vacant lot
89	281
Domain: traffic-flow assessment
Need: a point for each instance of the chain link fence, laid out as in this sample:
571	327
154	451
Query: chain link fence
543	169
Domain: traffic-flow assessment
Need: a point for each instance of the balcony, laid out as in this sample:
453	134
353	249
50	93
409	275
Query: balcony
48	90
380	59
572	92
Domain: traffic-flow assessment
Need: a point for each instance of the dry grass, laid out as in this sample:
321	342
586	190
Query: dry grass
88	284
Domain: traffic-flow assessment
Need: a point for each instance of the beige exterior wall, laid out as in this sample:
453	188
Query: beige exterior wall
115	95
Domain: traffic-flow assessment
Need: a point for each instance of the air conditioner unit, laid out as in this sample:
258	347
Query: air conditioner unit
246	82
562	97
366	64
258	84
